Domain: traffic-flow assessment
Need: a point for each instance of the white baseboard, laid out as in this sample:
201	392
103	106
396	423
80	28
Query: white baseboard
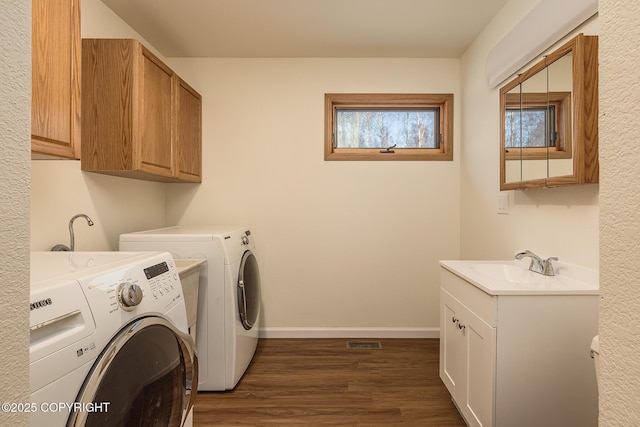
349	332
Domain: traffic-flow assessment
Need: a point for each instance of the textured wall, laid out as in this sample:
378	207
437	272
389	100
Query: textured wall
15	116
619	213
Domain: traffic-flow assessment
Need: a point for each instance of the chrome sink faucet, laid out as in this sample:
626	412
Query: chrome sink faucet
538	265
72	240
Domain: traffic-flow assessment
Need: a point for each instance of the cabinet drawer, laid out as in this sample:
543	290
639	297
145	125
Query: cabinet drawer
481	303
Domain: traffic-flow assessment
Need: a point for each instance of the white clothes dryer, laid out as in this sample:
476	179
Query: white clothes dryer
229	295
108	341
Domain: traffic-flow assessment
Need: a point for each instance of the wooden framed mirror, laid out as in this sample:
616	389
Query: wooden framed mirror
549	120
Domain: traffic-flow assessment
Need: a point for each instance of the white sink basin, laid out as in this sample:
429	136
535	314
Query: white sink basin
509	273
514	277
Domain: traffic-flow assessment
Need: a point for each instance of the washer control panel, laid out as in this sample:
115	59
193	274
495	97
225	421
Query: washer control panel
148	283
161	279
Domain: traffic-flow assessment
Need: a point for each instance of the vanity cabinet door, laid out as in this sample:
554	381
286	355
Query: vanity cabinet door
451	342
480	343
468	360
55	77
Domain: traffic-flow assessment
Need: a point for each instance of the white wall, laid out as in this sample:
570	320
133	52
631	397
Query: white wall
341	244
619	213
560	222
15	119
59	189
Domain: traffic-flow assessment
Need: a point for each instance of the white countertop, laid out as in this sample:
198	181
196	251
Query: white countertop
512	277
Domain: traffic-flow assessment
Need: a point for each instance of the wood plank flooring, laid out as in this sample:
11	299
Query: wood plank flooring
321	382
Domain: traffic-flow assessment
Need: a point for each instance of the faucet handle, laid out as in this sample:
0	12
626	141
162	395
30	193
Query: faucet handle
550	259
548	266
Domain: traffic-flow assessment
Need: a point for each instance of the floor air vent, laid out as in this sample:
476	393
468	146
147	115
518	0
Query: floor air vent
364	344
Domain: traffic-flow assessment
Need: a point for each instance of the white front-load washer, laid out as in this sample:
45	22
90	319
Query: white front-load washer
108	341
229	295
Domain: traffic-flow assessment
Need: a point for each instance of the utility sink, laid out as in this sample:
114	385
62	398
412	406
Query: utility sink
189	272
514	278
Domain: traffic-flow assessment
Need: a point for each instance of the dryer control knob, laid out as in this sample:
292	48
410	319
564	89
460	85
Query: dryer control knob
129	295
245	240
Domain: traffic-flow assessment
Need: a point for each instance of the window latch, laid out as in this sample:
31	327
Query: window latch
389	150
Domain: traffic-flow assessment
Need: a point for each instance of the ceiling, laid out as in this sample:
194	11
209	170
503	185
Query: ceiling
308	28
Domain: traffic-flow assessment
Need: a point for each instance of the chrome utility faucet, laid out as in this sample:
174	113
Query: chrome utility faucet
72	240
538	265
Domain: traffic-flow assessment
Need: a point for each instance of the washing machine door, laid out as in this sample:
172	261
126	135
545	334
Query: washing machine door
147	375
248	290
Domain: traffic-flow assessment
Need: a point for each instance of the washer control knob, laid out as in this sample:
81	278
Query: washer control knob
129	295
245	240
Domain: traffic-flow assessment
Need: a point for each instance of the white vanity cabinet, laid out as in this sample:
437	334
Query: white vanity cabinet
517	357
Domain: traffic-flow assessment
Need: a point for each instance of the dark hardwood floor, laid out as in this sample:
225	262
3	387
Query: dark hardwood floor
321	382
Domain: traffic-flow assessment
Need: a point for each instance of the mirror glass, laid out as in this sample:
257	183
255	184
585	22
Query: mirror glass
513	136
560	81
534	126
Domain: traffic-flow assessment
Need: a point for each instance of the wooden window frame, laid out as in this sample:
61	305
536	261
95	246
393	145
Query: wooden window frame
562	103
444	102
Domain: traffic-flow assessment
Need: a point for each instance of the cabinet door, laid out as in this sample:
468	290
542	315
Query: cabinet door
139	119
154	149
451	343
480	359
188	132
55	93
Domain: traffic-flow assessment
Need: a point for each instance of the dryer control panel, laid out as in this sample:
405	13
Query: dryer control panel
245	238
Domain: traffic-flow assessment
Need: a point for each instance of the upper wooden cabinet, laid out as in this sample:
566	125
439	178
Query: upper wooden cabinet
139	119
549	120
55	68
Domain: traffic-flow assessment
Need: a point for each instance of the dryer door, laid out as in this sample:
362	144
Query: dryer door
147	375
248	290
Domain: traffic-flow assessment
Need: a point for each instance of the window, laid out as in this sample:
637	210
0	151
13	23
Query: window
538	126
529	125
388	127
